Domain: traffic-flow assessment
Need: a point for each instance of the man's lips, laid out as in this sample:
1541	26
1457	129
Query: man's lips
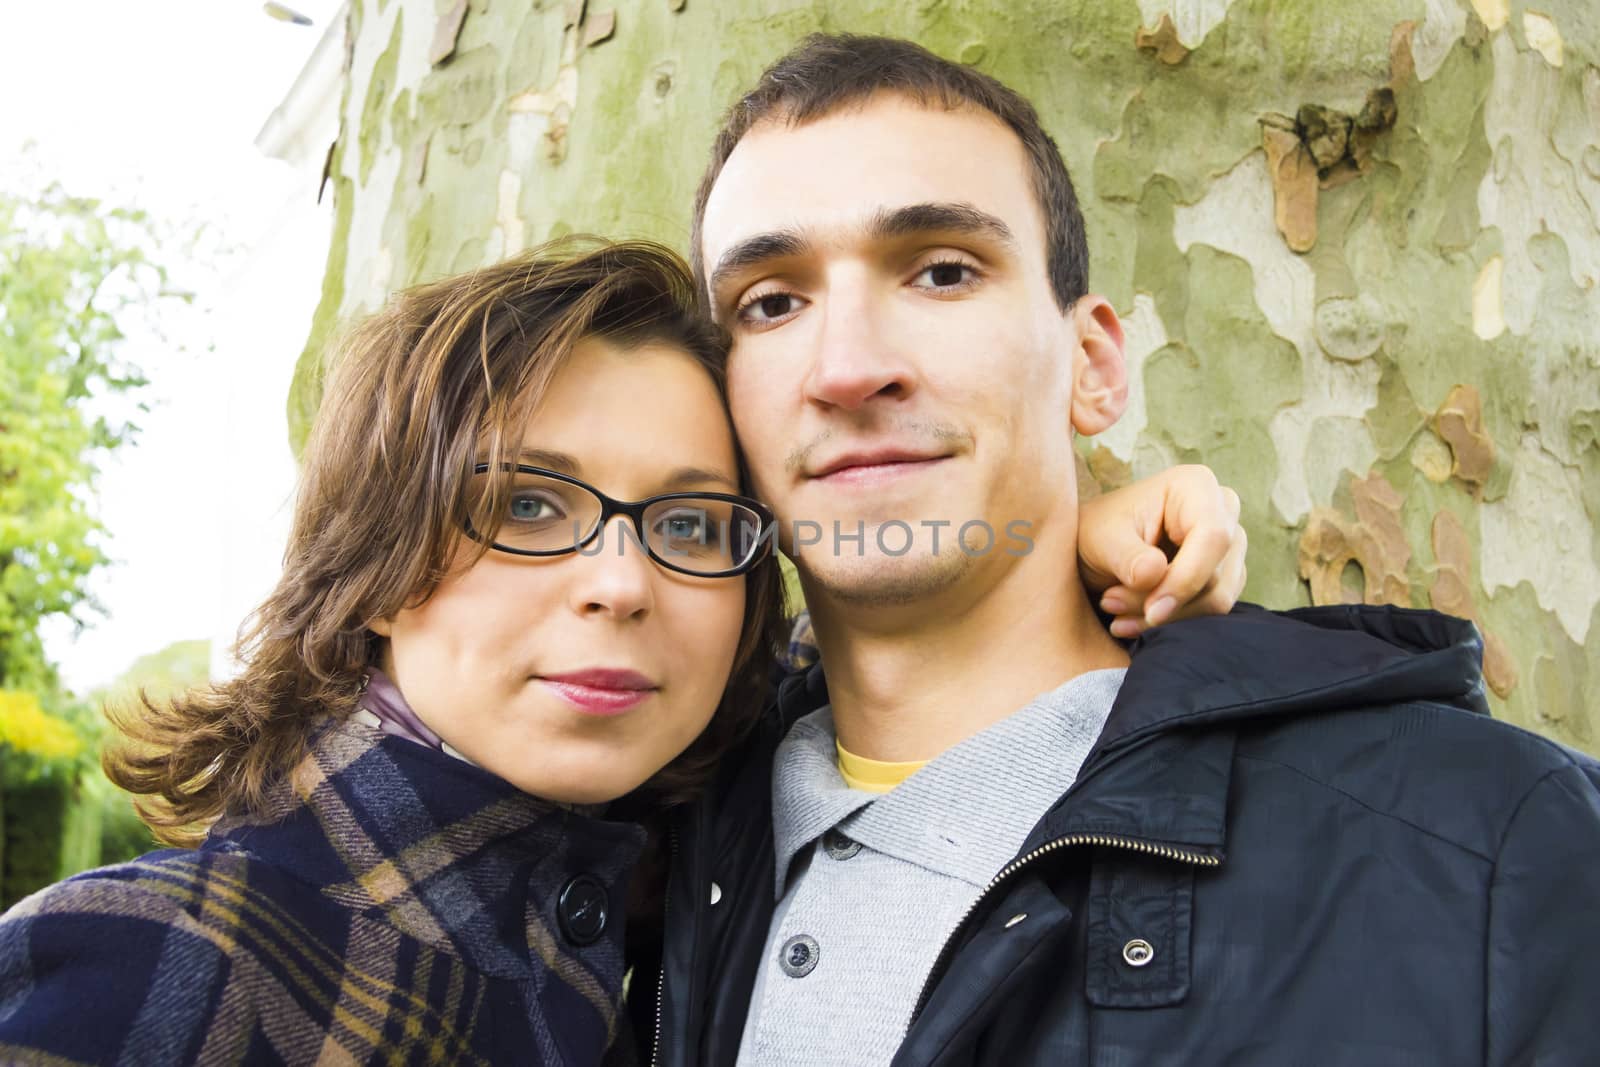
601	690
874	462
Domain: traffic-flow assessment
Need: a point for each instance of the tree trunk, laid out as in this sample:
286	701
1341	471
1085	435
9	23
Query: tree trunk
1355	246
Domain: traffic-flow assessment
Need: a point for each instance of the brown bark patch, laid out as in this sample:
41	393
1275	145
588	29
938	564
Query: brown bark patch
1459	421
446	32
1402	65
1162	42
599	27
1451	593
1375	542
1294	183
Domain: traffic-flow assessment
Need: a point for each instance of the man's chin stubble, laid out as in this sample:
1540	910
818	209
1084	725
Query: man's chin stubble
890	582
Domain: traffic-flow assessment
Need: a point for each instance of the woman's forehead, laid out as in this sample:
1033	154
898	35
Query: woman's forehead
637	417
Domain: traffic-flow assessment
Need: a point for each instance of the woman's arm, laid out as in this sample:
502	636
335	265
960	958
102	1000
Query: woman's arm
1167	547
101	969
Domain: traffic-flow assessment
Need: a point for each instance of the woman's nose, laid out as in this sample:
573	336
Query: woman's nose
615	576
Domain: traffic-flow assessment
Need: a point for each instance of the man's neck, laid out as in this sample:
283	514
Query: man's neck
908	682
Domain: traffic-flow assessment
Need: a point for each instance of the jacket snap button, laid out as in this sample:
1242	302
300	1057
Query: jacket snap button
798	957
582	909
1137	953
716	894
838	846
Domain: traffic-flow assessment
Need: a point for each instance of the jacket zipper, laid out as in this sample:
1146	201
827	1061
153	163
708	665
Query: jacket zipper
661	979
1171	852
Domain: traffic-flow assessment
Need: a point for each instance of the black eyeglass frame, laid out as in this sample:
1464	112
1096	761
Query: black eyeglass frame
611	507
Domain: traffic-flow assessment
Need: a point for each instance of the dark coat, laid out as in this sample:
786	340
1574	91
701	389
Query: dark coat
1300	839
401	906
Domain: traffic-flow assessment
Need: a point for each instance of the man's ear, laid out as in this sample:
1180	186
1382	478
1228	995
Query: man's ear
1099	368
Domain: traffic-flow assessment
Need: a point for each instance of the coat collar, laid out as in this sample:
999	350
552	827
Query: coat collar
1251	666
446	852
1255	664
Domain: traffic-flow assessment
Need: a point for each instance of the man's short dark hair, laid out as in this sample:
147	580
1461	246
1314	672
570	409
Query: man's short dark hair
830	71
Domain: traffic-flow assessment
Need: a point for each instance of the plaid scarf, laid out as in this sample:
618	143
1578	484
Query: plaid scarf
393	905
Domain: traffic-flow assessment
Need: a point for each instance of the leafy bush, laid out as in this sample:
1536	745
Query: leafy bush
33	743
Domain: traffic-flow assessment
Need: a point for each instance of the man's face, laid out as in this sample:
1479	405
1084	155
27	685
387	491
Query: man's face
898	355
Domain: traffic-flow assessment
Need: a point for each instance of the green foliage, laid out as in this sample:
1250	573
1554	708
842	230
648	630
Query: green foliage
70	270
123	835
159	675
34	744
34	836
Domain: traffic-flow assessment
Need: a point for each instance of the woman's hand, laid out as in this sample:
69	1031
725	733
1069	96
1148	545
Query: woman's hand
1167	547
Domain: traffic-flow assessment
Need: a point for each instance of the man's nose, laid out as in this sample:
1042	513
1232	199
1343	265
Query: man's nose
855	359
615	576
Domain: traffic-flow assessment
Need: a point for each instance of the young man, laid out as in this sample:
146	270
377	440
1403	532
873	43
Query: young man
1272	839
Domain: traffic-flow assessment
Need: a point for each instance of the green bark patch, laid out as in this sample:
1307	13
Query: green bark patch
380	83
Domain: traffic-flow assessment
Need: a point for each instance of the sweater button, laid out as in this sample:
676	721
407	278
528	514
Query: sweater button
838	846
798	956
581	910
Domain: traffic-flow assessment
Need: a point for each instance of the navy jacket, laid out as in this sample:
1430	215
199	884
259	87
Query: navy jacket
1300	839
397	906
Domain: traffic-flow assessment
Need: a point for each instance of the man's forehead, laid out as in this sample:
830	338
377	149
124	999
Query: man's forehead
886	152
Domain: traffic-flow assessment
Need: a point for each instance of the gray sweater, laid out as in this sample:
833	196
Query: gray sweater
869	886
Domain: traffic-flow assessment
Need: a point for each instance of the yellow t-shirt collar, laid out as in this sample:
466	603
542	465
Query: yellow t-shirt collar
874	776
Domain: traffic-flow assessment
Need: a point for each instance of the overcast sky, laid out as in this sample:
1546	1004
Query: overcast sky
156	105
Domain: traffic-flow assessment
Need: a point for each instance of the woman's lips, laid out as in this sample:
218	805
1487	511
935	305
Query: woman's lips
601	691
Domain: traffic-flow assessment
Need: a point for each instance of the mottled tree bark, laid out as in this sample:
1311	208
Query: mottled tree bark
1356	248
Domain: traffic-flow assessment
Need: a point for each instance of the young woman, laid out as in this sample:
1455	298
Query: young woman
522	583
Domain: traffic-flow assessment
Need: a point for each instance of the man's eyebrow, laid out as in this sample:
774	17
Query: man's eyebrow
777	244
885	223
939	216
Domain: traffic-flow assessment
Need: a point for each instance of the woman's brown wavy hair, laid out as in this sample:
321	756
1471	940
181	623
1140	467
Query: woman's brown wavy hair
444	376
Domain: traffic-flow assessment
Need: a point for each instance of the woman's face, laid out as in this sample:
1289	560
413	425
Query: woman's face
500	661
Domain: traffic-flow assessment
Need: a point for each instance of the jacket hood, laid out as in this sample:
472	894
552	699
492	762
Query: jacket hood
1255	664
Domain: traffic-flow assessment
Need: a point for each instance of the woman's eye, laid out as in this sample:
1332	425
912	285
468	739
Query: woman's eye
945	275
532	509
683	527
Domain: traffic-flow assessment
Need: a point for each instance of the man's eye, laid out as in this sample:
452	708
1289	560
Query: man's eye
770	308
944	275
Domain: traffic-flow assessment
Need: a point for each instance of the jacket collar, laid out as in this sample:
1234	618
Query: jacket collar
1255	664
1250	666
447	852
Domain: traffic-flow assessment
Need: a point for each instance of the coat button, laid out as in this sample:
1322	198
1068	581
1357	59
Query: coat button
1138	952
582	909
838	846
798	956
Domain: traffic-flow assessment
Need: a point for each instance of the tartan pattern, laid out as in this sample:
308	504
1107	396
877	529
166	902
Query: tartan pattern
802	651
395	905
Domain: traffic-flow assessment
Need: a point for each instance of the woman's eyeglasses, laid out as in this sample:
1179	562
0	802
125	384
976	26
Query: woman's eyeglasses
711	535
